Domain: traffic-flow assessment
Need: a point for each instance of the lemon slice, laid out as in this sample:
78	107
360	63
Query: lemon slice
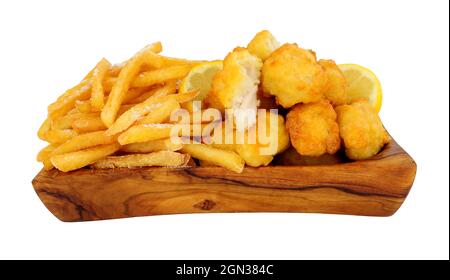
200	77
362	83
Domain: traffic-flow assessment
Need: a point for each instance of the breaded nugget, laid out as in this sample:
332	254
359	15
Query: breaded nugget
263	45
336	89
236	85
313	129
276	141
293	75
361	130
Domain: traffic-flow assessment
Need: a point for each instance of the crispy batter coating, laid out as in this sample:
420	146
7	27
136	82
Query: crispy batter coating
336	89
313	129
261	154
361	130
293	75
236	85
263	45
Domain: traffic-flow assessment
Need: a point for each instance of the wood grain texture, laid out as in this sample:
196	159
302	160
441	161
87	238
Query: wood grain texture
376	187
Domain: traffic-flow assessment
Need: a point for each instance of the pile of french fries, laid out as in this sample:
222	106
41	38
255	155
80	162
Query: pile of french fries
119	116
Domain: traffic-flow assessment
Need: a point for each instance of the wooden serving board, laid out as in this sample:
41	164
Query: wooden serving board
375	187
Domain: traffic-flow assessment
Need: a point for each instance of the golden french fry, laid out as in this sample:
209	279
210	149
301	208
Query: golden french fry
187	96
162	113
172	61
120	88
45	127
145	132
57	136
128	118
227	159
66	102
44	156
75	160
45	152
84	141
152	146
88	124
161	158
48	165
98	93
161	75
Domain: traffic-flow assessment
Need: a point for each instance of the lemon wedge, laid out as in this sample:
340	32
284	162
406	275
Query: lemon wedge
200	77
362	83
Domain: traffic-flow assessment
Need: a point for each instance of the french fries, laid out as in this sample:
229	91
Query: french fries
88	124
119	116
132	115
152	146
126	76
76	160
84	141
162	158
67	101
57	136
227	159
98	93
162	113
160	75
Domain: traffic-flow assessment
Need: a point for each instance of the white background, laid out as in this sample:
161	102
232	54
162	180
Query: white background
47	46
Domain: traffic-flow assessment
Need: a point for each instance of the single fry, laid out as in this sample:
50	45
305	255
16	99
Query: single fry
161	158
98	93
145	132
44	156
172	61
88	124
152	146
57	136
45	152
45	127
227	159
162	113
187	96
75	160
84	141
161	75
128	118
66	102
120	88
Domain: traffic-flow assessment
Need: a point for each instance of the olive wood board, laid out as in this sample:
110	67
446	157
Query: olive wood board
374	187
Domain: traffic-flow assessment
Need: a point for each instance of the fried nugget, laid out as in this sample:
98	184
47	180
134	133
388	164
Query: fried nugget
236	86
293	75
336	89
263	45
262	152
313	129
361	130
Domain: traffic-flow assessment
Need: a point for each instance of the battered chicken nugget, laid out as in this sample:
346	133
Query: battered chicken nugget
361	130
236	85
293	75
313	129
263	45
275	142
336	89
